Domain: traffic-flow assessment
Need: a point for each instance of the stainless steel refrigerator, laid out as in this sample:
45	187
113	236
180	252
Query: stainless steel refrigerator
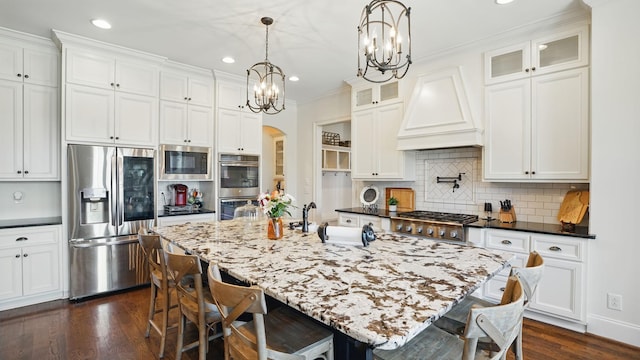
111	196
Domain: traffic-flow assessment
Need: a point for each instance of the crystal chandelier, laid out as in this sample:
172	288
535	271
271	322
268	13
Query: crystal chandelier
384	40
265	82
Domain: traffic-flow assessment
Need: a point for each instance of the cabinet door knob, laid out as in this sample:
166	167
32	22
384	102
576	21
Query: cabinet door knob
25	255
111	137
188	140
526	70
533	68
117	138
506	242
117	85
526	172
502	289
533	173
17	256
19	75
22	238
26	76
348	220
189	99
186	98
19	171
111	84
26	171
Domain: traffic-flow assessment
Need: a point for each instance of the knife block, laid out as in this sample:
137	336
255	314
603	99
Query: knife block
508	216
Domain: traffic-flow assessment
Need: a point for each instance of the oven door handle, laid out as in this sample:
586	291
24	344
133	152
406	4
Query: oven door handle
236	200
240	164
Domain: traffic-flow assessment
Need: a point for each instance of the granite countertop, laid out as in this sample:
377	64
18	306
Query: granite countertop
161	212
382	212
551	229
18	223
382	295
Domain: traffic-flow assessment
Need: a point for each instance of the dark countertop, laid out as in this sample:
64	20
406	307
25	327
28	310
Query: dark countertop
551	229
161	213
365	211
18	223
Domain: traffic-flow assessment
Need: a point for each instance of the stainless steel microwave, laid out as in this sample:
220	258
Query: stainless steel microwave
179	162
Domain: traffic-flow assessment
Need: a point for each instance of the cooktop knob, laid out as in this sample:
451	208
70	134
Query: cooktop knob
454	234
441	232
408	228
398	227
419	229
430	231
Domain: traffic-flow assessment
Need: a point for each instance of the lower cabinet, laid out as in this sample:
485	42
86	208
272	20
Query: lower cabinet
561	293
30	266
355	220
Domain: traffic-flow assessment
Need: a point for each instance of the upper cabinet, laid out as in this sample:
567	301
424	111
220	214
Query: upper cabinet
560	51
29	108
110	93
186	112
374	152
369	94
537	127
239	130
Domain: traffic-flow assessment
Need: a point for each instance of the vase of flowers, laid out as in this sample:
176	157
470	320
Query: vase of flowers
275	205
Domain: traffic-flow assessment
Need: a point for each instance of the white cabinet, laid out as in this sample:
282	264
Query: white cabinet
186	113
278	157
559	51
374	155
336	158
29	261
239	131
29	109
186	87
28	63
360	220
366	94
106	71
561	293
538	129
110	98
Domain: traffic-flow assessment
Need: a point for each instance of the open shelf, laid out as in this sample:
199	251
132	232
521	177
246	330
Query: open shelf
336	158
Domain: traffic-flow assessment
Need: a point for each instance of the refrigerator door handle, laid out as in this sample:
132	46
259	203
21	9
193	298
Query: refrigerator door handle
120	163
114	192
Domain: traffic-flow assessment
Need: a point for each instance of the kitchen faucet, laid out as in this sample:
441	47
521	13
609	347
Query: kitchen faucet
305	216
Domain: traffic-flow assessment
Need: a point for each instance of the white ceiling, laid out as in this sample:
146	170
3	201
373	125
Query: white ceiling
313	39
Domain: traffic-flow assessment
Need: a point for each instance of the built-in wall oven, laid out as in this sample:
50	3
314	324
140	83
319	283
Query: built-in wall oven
239	179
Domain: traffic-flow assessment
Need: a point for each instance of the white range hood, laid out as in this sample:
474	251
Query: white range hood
438	114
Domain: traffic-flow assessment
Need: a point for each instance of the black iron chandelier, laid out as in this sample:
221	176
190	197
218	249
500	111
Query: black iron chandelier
384	41
265	82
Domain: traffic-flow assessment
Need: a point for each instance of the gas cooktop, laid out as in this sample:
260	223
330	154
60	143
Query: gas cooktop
438	216
432	224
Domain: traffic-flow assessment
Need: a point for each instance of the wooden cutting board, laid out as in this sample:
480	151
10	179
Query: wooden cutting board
574	206
405	196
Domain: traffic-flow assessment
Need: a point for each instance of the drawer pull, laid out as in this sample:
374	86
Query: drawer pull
506	242
502	289
348	220
22	238
555	248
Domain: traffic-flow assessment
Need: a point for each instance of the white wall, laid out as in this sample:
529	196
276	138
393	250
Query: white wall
613	260
287	122
39	199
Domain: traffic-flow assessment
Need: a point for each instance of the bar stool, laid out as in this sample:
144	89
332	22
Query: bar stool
281	334
530	275
160	285
500	323
195	303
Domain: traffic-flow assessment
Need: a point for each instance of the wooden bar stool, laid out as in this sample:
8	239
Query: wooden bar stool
195	303
454	320
500	323
161	286
281	334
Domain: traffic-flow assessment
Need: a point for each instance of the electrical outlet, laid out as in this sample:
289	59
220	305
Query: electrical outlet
614	301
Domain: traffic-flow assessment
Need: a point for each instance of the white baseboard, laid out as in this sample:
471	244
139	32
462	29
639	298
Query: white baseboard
553	320
614	329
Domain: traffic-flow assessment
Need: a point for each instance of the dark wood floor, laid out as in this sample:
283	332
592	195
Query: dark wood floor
112	327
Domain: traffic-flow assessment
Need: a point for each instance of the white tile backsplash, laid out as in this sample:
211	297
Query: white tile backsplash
534	202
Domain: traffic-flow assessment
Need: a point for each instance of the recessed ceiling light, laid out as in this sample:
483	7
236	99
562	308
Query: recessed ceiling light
503	2
293	78
228	60
101	23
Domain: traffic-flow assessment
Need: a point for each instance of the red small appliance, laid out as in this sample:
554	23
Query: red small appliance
181	194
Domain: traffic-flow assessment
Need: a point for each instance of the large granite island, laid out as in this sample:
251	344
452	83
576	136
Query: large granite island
381	295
